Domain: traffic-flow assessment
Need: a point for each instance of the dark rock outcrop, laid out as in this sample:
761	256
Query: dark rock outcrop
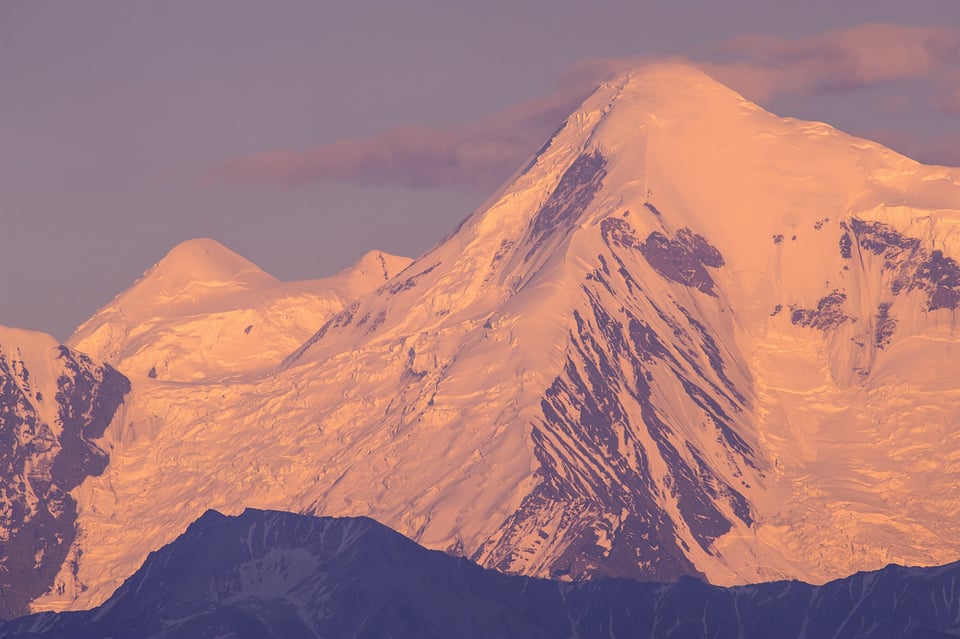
41	461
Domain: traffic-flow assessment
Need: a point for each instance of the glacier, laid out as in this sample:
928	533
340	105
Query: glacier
690	337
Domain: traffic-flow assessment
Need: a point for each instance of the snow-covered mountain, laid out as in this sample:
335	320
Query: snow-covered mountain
689	338
54	404
203	311
273	574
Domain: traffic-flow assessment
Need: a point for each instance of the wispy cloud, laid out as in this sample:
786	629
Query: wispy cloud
474	155
481	154
950	94
764	67
417	157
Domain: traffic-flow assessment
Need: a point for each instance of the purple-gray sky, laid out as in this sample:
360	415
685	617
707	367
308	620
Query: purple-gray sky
304	133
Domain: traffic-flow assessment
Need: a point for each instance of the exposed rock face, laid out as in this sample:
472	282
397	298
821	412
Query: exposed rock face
683	259
571	197
913	266
601	407
50	414
828	314
609	370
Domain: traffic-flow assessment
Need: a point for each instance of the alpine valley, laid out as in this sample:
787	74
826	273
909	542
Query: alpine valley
688	338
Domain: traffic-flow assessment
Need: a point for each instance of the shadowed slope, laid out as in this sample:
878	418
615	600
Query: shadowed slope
277	575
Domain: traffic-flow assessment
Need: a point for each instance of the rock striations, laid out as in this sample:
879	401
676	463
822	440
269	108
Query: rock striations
691	338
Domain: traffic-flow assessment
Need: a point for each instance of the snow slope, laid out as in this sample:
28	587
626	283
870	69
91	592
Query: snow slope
689	338
53	403
203	311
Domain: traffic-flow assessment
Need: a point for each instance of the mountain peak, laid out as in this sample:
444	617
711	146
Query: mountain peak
189	278
20	338
382	264
206	260
240	319
669	94
662	349
370	271
665	91
667	77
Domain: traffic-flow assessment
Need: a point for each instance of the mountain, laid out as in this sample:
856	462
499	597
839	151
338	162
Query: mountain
203	311
272	574
690	337
54	404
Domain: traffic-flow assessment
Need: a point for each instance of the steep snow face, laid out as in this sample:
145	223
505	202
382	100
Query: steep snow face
690	337
53	403
204	312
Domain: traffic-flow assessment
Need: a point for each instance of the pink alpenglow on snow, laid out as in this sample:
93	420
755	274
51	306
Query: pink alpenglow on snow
688	337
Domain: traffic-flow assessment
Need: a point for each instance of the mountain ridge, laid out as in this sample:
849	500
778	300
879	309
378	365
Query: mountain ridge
274	574
204	311
54	404
669	347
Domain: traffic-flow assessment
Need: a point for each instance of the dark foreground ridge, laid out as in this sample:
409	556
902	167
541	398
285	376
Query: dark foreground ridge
268	574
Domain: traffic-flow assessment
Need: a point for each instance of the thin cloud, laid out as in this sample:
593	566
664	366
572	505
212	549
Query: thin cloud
479	155
950	94
951	102
482	154
763	67
476	156
416	157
